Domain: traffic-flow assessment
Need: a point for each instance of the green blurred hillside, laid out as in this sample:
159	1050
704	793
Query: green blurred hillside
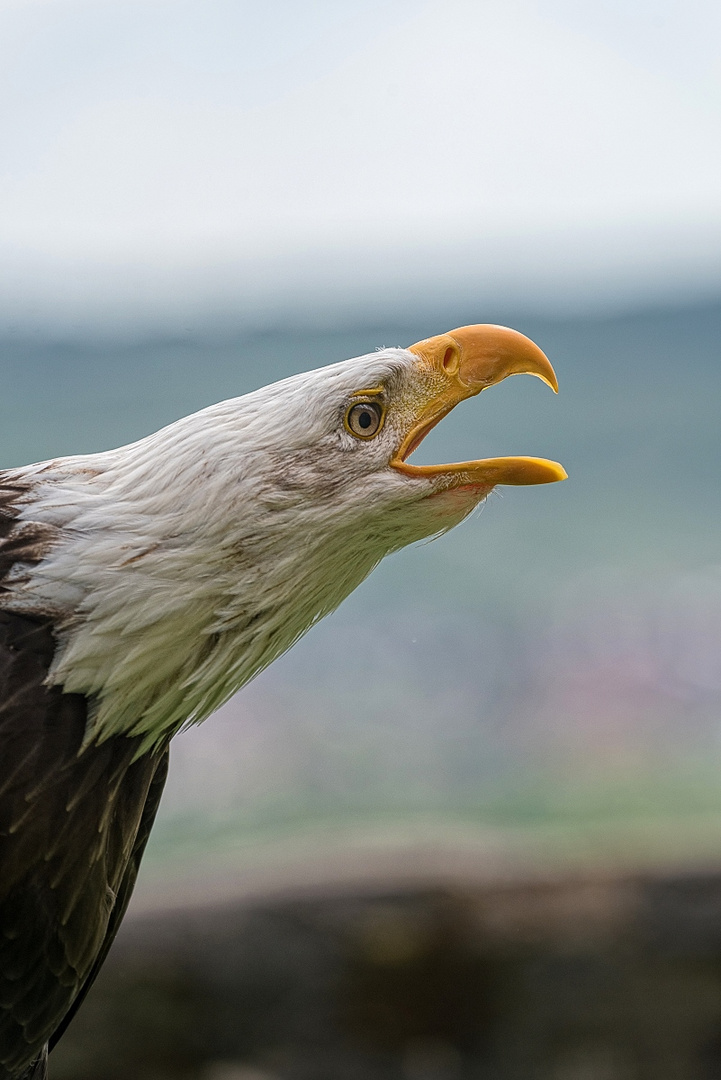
635	423
556	659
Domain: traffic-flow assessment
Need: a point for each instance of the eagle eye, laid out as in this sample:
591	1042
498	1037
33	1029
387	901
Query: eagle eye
364	419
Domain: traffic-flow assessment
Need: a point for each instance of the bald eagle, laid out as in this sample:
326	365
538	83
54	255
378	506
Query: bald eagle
141	587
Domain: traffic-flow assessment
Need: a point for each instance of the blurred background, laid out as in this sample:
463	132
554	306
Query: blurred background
470	827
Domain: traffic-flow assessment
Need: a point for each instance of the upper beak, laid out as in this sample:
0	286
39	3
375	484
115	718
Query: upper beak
479	356
462	363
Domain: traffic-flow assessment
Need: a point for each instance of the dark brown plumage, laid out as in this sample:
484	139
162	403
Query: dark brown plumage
73	827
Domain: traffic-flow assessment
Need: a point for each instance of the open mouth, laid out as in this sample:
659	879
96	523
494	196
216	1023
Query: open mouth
472	358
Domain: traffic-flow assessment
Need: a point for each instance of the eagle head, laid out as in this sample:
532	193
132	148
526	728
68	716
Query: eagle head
338	439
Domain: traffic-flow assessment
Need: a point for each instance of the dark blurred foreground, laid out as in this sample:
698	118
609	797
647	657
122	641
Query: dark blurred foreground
596	978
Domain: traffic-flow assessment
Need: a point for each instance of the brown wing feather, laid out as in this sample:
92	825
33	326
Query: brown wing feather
73	825
124	893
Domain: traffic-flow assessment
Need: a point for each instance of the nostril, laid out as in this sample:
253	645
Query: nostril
450	360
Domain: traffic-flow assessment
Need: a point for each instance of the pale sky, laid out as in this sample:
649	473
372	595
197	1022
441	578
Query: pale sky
211	152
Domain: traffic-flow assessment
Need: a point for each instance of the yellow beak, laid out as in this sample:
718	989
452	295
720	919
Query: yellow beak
459	365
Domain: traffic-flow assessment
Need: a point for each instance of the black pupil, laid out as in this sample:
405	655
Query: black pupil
365	419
